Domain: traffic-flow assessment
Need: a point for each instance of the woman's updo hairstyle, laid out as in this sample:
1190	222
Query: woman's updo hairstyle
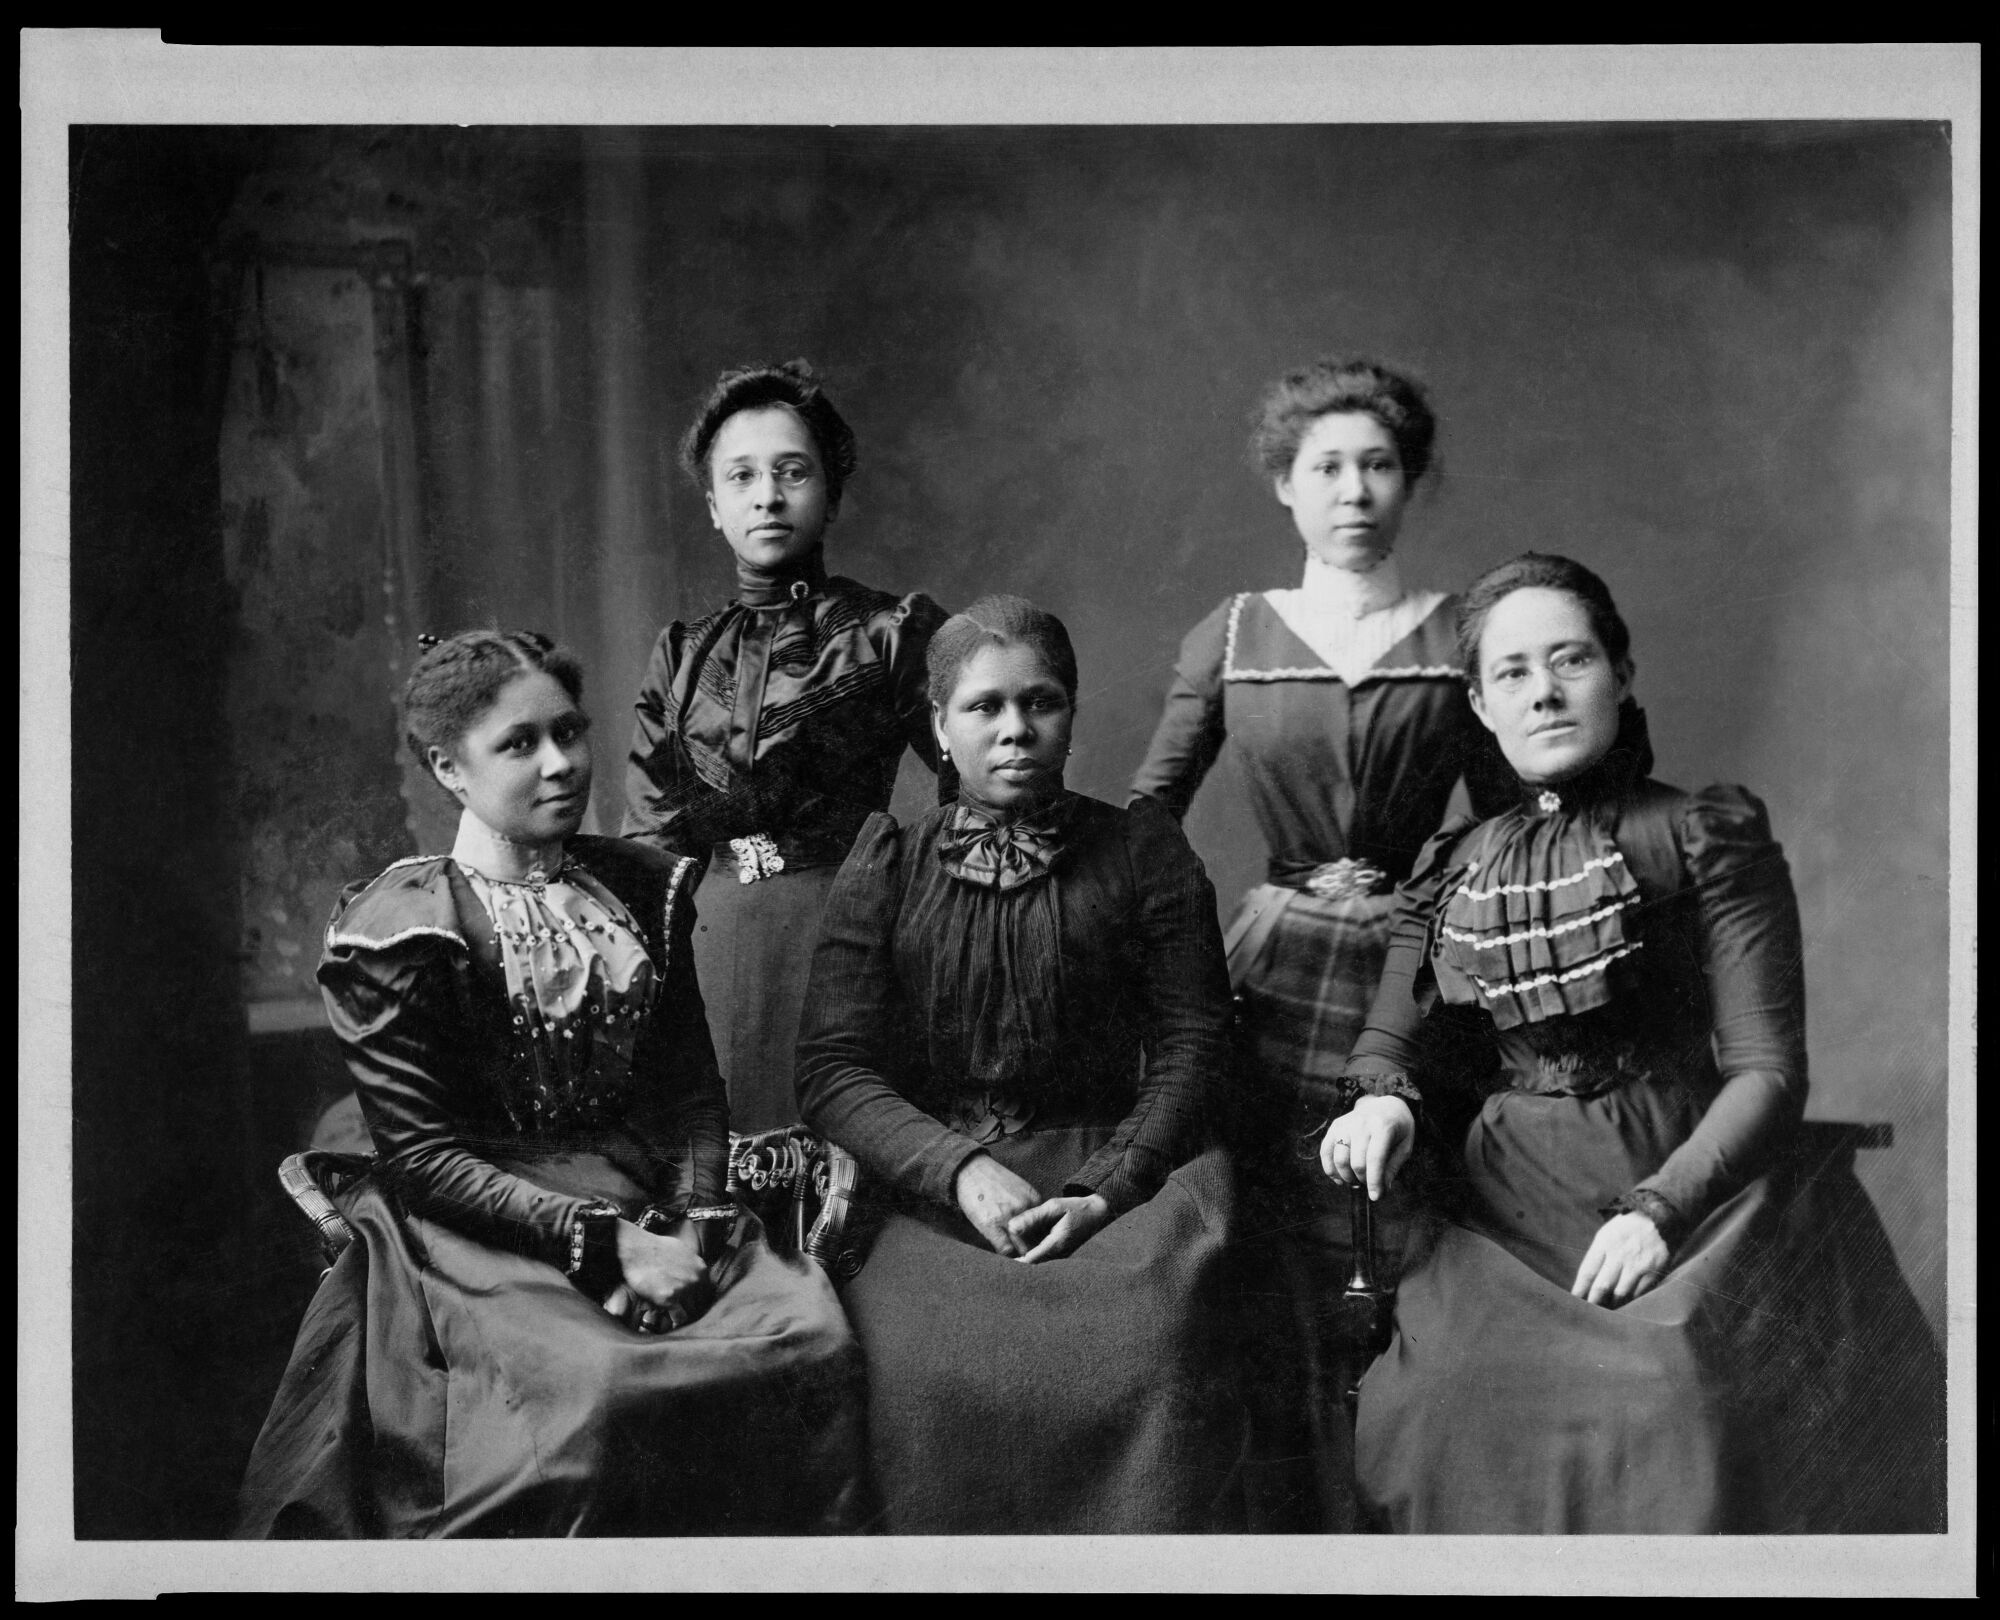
1534	570
999	621
1329	386
456	680
794	385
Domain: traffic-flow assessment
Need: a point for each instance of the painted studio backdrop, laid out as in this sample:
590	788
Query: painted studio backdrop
335	387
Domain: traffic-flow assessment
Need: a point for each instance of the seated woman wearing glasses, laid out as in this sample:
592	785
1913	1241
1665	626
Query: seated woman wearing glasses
1641	1308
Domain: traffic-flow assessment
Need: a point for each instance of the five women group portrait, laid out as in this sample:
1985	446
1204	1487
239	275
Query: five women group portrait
1543	1009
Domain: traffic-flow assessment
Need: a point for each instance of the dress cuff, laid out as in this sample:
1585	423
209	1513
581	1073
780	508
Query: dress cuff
1353	1087
1671	1223
593	1250
1119	1189
714	1222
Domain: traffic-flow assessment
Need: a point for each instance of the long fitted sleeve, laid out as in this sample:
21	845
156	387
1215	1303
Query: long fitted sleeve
853	1046
1388	1055
661	787
1186	991
1753	962
1191	731
395	1013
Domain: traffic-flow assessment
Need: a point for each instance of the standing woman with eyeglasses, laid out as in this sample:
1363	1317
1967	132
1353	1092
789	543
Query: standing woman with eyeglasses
769	730
1342	700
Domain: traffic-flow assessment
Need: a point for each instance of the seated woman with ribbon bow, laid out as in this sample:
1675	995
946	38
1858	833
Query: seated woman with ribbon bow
769	729
1016	1024
552	1320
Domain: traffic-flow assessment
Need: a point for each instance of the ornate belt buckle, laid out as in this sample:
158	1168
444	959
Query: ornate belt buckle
756	857
1344	879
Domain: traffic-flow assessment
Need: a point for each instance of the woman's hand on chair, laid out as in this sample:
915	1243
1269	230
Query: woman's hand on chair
1627	1257
990	1195
1369	1143
1057	1226
666	1284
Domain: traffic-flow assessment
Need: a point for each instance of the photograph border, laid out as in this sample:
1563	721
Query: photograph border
129	77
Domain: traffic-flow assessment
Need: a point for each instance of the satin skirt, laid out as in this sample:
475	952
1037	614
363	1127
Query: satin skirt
1780	1378
442	1387
1095	1393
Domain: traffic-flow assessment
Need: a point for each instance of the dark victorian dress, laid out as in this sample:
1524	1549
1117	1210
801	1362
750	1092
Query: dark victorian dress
1346	778
1612	973
1058	1001
767	733
531	1058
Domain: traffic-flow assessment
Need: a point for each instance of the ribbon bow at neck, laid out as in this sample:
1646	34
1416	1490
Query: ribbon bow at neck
976	846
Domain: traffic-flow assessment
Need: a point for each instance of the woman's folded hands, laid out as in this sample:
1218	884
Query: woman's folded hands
666	1283
1012	1215
1056	1226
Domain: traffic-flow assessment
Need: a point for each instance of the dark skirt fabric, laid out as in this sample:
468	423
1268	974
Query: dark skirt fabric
753	953
441	1387
1090	1394
1779	1379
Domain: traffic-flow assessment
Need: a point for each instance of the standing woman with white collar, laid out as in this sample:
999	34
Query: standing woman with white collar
1344	702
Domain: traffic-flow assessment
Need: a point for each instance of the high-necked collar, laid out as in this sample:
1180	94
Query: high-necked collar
790	582
1629	758
1347	592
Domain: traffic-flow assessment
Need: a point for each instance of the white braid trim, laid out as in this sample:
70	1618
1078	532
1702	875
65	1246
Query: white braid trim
366	943
1465	938
1400	672
675	884
1514	987
1229	639
1605	862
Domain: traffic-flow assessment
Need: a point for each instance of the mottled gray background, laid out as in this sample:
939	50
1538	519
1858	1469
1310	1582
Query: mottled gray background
336	386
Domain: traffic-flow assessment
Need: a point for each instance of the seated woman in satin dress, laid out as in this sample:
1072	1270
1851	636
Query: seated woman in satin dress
552	1321
1016	1023
1639	1308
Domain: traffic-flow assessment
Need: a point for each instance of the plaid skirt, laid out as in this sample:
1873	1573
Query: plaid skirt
1304	970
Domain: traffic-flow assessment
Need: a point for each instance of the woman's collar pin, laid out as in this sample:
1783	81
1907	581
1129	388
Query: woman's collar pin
1549	801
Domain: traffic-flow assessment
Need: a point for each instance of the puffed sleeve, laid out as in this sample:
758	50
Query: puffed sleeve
851	1034
911	625
681	1099
395	1012
1754	962
1190	733
655	796
1388	1057
1186	983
